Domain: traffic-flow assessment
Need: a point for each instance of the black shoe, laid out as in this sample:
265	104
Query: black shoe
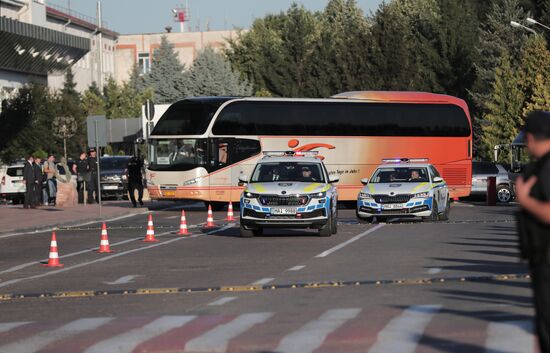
140	203
135	205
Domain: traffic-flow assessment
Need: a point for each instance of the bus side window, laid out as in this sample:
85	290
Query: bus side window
245	148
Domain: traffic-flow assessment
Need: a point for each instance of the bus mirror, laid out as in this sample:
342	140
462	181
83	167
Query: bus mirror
365	181
243	179
438	179
333	179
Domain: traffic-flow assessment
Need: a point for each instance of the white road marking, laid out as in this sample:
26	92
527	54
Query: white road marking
41	340
295	268
262	281
312	335
123	280
222	301
106	258
128	341
217	339
510	336
401	335
433	270
349	241
6	326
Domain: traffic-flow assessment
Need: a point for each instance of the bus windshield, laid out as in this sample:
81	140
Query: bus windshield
187	118
288	171
177	154
400	175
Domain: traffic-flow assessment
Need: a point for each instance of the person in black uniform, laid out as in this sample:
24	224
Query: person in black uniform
92	170
28	175
39	179
80	168
134	174
533	194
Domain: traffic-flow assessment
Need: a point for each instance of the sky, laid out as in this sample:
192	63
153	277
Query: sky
152	16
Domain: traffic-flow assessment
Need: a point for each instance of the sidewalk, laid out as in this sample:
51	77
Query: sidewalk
17	219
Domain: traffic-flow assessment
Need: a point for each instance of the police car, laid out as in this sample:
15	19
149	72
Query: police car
404	188
289	190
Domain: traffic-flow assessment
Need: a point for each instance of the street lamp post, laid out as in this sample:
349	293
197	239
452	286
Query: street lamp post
519	25
535	22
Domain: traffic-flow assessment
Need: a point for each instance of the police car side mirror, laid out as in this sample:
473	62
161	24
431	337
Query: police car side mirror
365	181
333	179
243	179
438	180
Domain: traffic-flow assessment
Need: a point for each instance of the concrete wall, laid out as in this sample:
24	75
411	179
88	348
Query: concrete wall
187	45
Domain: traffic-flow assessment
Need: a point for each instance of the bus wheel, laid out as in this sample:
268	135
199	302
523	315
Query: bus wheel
445	215
246	233
434	216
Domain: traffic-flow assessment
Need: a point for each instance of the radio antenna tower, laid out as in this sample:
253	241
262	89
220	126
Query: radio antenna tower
181	15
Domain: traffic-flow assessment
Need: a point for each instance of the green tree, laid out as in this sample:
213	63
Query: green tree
211	75
121	101
68	103
93	102
535	61
167	77
504	116
540	100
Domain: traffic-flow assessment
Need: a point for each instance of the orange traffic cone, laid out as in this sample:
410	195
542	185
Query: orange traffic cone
230	212
104	243
183	224
54	256
210	218
150	236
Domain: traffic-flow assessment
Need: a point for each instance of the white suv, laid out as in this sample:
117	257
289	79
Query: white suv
12	185
404	188
289	190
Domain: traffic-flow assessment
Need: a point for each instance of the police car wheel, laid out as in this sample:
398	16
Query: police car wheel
433	217
445	215
326	230
334	224
246	233
363	220
258	231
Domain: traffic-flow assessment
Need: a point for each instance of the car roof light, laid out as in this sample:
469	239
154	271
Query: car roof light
405	160
290	153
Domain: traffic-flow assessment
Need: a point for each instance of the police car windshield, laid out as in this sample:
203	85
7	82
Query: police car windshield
400	175
288	171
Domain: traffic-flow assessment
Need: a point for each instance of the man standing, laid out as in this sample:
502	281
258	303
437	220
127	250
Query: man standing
49	171
134	173
80	168
92	170
533	194
28	175
38	179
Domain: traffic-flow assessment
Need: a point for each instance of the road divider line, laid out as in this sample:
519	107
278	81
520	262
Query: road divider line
296	268
403	333
106	258
312	335
222	301
510	336
7	326
434	270
263	281
349	241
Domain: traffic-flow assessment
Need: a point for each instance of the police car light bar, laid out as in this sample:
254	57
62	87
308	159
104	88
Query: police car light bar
405	160
290	153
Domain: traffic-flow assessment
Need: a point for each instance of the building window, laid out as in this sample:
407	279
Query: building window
144	62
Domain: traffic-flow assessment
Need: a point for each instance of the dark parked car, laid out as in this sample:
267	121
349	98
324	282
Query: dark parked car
482	170
113	179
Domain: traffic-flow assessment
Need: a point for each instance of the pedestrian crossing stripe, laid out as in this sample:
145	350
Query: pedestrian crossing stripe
397	331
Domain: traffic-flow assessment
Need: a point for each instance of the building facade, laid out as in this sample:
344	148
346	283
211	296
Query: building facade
140	48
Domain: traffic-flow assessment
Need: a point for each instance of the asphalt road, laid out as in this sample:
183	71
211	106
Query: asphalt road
454	286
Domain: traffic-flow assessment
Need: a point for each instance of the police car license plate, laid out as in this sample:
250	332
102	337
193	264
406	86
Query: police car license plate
110	187
283	211
393	206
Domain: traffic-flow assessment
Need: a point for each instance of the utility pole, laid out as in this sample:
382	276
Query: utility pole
100	46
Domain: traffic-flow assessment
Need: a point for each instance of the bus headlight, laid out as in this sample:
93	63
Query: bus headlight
422	195
364	196
192	181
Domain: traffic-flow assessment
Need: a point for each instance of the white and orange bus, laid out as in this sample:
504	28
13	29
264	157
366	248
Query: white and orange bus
200	146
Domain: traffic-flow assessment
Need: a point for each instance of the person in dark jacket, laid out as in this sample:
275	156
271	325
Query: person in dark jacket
28	176
134	175
93	186
39	180
80	168
533	194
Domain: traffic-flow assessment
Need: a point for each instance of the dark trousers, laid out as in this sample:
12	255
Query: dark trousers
541	289
80	190
132	187
30	199
38	194
92	188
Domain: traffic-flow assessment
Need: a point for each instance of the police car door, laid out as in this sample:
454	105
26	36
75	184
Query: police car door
440	192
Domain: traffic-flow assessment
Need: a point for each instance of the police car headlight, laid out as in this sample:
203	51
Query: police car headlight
251	195
364	196
319	195
422	195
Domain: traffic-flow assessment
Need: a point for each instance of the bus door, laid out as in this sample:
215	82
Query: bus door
220	173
